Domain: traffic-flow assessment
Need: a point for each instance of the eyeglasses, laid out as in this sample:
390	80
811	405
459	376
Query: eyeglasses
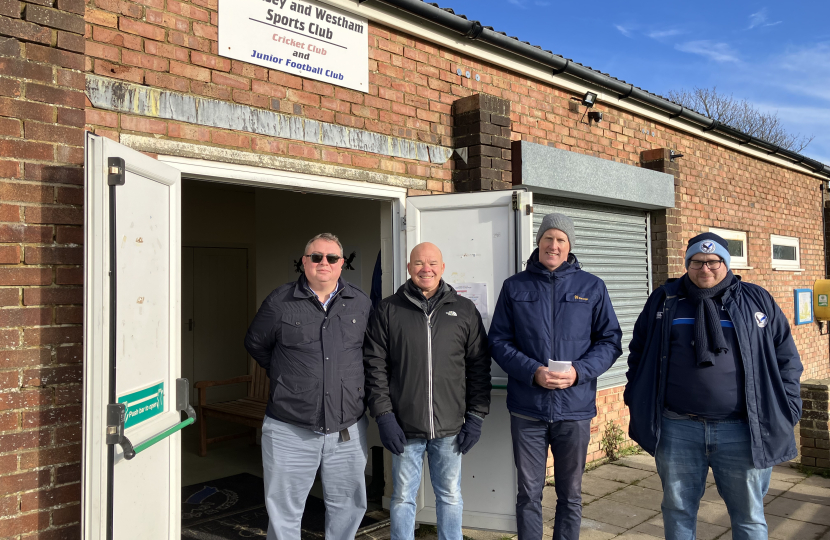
711	265
317	258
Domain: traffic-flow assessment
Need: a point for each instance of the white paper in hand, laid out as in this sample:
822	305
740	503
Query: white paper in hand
559	366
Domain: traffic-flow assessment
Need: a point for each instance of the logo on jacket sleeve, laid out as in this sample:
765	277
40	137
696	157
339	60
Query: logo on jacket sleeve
452	314
760	319
707	246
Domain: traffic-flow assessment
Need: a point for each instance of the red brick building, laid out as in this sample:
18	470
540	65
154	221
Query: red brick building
107	66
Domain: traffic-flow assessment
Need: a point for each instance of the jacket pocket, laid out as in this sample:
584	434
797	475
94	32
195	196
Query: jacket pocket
353	327
353	396
577	316
299	329
297	399
527	313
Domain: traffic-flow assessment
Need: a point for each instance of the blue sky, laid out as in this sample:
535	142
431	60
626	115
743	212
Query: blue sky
774	54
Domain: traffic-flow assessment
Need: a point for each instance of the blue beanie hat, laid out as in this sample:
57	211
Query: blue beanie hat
708	243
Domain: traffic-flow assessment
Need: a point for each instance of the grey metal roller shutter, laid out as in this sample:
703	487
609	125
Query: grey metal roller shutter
611	243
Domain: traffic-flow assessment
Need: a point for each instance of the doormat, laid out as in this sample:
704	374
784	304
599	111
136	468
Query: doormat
234	507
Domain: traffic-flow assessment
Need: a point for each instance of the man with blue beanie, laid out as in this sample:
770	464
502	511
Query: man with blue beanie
713	381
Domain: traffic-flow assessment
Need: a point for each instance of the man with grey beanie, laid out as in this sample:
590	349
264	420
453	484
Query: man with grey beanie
553	311
713	382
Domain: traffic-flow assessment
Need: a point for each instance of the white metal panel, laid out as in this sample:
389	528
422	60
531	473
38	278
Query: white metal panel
147	341
483	238
611	243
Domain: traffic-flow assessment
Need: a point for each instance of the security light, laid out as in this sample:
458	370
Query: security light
589	99
595	116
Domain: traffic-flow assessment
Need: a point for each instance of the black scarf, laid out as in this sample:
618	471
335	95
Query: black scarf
707	318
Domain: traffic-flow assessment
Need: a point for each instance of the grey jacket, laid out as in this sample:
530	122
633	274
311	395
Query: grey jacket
314	358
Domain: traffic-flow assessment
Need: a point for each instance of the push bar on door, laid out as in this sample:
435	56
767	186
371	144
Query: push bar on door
117	414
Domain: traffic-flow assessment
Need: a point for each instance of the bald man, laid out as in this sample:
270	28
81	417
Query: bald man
428	385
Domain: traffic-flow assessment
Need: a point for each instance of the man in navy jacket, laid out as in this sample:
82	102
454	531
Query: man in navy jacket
713	381
553	310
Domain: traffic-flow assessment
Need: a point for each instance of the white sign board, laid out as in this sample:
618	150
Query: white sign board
309	39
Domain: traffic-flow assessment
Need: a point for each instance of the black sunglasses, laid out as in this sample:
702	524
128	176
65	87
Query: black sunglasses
317	258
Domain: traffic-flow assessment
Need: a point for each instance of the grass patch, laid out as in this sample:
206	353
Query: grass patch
426	530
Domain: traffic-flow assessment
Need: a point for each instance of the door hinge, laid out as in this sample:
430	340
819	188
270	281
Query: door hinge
115	171
515	200
403	222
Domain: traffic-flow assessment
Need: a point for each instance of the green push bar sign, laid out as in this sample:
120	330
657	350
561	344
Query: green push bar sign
143	404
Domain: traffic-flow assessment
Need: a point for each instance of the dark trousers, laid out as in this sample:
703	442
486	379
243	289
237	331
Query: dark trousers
568	440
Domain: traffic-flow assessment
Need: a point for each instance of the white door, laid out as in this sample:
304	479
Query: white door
134	398
485	238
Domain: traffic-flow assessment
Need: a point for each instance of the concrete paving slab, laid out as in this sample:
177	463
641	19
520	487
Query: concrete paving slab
809	493
599	487
787	474
714	513
768	499
548	514
549	497
598	526
639	496
631	535
705	531
777	487
652	482
650	529
816	480
617	513
789	529
619	473
799	510
826	535
711	494
638	461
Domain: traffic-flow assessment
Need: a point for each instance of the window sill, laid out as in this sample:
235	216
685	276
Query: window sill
787	269
741	267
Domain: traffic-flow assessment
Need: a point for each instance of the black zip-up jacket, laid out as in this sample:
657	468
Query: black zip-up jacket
314	358
427	361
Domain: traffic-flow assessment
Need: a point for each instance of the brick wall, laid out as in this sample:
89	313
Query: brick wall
41	150
171	44
815	436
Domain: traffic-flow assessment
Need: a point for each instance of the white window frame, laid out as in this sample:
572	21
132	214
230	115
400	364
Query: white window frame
728	234
782	264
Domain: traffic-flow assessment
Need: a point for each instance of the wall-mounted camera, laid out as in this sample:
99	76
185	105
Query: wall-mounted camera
594	116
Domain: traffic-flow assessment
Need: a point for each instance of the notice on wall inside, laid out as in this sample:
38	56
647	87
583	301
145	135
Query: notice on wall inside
308	39
477	292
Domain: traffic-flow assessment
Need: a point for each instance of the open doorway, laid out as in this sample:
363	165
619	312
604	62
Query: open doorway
238	244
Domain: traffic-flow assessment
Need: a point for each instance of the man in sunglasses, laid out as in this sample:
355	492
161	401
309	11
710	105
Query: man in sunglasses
308	335
713	381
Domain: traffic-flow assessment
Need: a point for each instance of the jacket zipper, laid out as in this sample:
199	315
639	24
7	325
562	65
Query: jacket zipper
429	373
552	279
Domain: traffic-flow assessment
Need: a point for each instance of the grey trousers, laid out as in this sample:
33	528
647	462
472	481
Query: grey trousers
290	459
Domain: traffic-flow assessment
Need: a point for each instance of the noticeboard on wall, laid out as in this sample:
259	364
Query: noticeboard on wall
305	38
803	306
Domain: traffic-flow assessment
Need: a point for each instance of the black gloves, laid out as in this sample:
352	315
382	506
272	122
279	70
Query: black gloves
470	432
391	434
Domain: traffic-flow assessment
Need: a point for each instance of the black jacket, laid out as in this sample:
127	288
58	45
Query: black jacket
314	358
427	362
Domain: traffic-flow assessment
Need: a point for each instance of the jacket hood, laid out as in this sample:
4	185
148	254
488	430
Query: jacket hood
568	267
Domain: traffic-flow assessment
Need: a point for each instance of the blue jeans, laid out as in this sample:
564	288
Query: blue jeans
444	460
568	441
686	450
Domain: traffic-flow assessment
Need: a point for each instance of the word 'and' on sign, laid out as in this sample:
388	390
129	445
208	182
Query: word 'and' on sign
307	38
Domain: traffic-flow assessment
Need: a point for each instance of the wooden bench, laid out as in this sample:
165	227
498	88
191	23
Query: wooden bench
248	411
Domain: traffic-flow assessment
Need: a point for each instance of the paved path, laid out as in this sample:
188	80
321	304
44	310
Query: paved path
622	500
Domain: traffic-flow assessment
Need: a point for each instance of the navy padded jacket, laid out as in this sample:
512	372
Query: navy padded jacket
560	315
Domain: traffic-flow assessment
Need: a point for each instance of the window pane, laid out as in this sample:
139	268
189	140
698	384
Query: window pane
736	248
786	253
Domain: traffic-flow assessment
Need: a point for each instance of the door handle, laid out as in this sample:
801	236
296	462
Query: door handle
117	414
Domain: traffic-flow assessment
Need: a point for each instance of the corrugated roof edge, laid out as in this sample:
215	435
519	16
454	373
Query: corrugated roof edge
474	30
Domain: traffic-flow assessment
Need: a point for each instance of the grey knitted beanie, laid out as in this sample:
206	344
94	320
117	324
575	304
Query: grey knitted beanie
557	221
